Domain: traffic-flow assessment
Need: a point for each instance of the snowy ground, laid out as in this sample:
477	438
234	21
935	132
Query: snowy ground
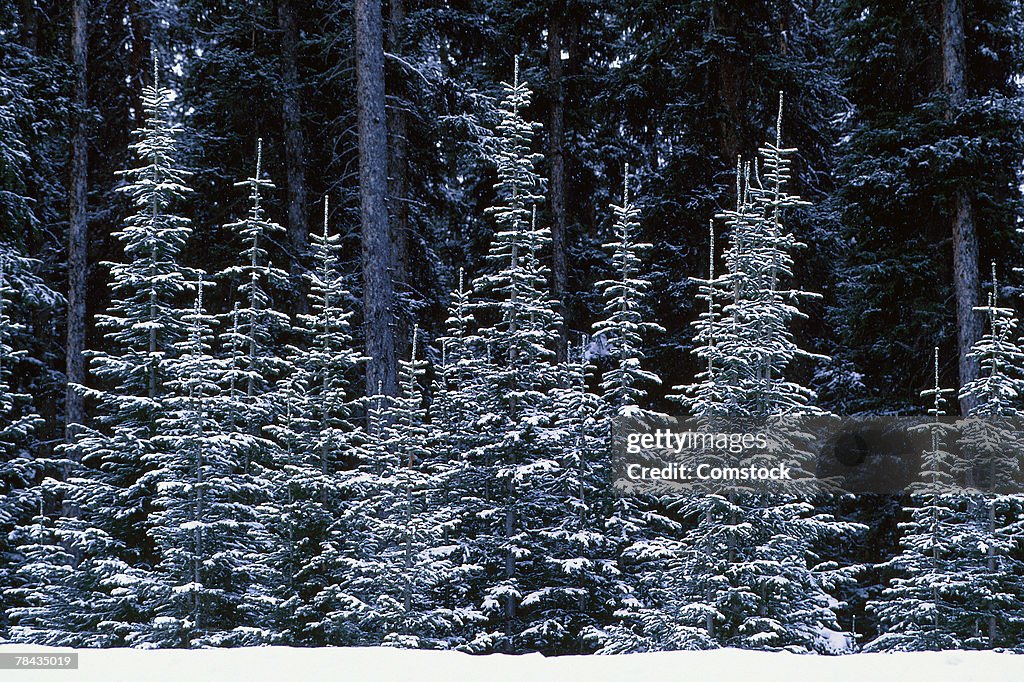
392	665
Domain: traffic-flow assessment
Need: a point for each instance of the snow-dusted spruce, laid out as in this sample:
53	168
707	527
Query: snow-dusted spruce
252	341
109	531
750	559
920	608
403	577
958	578
199	539
623	323
19	468
518	322
626	540
991	439
454	408
584	583
316	436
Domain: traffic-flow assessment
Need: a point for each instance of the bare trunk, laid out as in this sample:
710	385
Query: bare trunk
556	155
965	238
730	71
77	224
378	292
294	145
398	200
29	36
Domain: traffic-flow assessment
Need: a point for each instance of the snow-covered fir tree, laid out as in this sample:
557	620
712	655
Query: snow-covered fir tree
318	441
957	581
518	323
111	492
402	570
919	608
20	470
623	322
990	441
252	342
200	540
754	577
630	533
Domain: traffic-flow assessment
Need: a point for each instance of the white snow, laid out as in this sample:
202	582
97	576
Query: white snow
399	665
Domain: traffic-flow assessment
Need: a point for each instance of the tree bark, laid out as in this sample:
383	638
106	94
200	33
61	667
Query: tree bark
378	291
294	144
965	238
77	223
556	156
398	166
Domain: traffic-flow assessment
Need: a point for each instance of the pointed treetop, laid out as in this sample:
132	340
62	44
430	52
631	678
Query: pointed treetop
711	249
327	210
625	185
778	124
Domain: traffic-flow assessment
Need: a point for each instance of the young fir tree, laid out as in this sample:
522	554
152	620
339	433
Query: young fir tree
630	531
317	439
751	557
254	332
623	322
991	441
519	324
112	492
583	584
920	608
402	569
200	542
454	407
958	576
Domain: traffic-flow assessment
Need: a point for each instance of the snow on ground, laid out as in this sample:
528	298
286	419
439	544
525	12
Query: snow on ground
273	664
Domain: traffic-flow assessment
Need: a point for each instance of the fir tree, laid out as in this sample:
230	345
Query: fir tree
919	609
519	325
318	439
249	405
623	321
199	539
755	577
20	470
143	328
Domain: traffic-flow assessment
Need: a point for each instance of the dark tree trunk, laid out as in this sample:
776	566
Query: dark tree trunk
294	145
965	238
398	167
730	71
29	36
77	222
378	292
556	156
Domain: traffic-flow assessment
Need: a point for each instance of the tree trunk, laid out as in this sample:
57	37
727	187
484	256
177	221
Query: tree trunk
730	74
378	292
398	203
294	145
556	156
77	223
965	238
29	35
